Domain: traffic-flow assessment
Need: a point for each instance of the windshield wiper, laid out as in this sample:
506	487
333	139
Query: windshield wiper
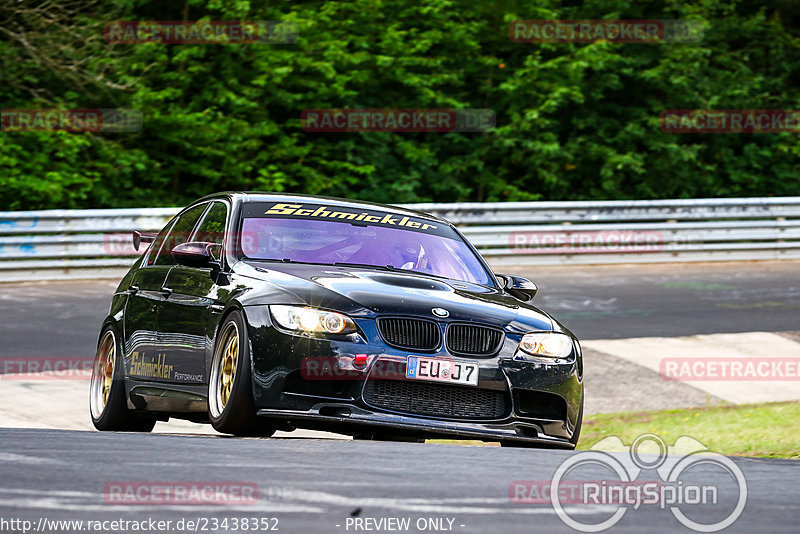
368	266
284	260
338	264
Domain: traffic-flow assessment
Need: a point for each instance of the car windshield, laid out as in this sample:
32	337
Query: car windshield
325	235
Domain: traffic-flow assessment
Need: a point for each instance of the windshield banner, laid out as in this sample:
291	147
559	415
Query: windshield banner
344	214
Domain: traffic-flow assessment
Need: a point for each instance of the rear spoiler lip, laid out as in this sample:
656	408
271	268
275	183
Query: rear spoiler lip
142	237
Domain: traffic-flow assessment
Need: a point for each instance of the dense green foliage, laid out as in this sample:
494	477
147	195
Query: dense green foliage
574	121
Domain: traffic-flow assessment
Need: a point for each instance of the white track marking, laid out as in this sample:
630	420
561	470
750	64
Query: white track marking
650	351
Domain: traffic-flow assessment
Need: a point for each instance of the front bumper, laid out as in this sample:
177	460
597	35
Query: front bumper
343	418
542	397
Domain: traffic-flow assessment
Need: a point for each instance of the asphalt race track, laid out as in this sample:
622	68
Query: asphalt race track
312	486
326	485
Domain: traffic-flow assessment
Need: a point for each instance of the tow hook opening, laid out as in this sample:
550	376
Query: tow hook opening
527	431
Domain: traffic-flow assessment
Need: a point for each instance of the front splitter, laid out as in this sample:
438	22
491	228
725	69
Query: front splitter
349	415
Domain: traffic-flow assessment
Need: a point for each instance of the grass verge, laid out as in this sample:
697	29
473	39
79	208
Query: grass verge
764	430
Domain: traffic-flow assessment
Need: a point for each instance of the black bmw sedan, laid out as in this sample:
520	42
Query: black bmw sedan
258	312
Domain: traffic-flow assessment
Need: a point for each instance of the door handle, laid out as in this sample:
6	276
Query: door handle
167	291
133	290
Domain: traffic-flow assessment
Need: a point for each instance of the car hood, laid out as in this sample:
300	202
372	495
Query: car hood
367	292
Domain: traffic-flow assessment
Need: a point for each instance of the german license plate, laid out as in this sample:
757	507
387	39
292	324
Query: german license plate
438	370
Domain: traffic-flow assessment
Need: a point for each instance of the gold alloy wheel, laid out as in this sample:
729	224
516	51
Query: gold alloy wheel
228	371
103	374
224	369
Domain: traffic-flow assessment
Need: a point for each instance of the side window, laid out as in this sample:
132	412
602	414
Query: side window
152	250
212	229
179	234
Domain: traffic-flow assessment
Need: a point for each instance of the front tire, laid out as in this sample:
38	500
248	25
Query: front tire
231	408
107	404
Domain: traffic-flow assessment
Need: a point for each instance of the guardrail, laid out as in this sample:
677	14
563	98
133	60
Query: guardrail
40	245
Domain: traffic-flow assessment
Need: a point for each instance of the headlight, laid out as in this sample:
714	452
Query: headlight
547	344
312	320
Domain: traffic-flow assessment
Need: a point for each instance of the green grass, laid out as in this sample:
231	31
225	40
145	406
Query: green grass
767	430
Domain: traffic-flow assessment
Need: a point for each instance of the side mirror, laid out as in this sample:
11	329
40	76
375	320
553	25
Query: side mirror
518	287
195	254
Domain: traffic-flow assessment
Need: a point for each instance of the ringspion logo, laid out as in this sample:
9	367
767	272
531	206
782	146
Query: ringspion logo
704	491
